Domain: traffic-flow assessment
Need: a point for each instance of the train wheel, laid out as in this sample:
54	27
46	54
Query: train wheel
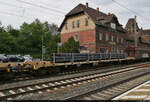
48	71
1	76
42	71
57	70
8	76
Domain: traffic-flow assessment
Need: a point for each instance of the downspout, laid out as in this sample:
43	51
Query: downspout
95	37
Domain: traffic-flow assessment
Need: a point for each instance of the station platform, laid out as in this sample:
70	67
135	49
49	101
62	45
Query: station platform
141	92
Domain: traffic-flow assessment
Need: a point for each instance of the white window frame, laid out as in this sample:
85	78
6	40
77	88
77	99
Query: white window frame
122	40
117	39
76	37
113	25
107	51
78	23
112	38
117	50
122	51
107	37
73	24
100	36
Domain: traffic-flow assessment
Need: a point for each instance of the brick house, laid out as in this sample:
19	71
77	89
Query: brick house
147	33
96	31
143	43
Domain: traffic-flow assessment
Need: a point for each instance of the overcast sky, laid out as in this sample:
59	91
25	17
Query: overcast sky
15	12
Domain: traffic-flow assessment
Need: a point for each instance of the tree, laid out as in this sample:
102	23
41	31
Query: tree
12	31
52	28
71	46
7	43
28	39
1	27
0	23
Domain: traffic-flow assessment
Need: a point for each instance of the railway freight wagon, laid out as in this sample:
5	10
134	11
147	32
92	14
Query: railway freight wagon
63	62
138	53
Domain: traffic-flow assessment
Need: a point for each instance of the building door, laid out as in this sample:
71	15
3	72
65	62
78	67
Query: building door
102	50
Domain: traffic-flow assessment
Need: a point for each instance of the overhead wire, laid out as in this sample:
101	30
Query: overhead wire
47	4
40	6
12	5
131	10
12	14
36	5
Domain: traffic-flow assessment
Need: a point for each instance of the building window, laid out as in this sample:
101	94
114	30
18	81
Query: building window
86	21
66	26
113	25
100	36
117	50
122	40
107	51
76	37
107	37
122	51
117	39
103	21
78	23
73	24
112	38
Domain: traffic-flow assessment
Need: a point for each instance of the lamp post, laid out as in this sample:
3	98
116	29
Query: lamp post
59	44
43	42
42	47
135	37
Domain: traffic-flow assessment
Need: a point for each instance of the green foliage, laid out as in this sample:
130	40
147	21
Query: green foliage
28	39
71	46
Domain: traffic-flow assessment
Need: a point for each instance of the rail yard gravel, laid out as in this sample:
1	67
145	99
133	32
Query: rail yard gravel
75	91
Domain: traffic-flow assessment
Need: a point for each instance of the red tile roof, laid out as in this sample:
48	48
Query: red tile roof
95	15
130	24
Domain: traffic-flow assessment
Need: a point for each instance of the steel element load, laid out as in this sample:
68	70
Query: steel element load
78	57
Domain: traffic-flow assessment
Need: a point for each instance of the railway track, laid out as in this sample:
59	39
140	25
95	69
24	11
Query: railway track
57	85
29	81
113	91
24	77
30	77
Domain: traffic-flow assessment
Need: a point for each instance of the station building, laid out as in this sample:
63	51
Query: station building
96	31
99	32
142	38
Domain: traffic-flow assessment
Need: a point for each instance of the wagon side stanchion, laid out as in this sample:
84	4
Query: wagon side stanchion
104	56
118	57
110	56
72	58
88	55
100	56
54	58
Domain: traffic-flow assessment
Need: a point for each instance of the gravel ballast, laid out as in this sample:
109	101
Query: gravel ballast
85	88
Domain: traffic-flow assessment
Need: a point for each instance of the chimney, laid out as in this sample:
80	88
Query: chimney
87	4
97	8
